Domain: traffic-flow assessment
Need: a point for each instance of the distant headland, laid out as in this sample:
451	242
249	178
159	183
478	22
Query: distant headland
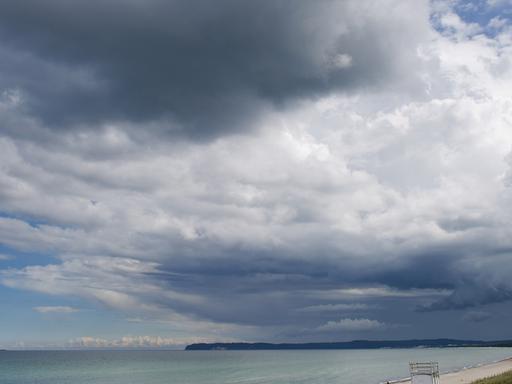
355	344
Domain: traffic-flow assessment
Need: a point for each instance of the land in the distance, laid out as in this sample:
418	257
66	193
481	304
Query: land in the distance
355	344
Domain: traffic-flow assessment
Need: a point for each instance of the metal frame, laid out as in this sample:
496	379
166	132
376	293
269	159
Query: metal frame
430	368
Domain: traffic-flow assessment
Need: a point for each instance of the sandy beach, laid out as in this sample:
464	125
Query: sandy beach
466	376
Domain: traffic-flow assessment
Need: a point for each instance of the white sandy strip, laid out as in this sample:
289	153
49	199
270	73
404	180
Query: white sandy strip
466	376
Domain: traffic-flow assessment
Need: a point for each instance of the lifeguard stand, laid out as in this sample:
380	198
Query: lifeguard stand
424	373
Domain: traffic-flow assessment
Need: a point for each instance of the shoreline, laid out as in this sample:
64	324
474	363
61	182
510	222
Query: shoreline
469	374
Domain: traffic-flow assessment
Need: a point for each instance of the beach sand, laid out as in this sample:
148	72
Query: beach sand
466	376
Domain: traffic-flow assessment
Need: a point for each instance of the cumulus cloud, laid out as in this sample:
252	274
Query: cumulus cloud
129	342
124	342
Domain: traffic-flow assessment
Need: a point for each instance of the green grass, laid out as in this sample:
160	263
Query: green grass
504	378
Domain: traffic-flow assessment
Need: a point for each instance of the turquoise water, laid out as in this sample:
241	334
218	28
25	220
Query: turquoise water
229	367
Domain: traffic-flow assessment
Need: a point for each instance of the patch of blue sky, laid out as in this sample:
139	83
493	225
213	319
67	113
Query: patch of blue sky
13	258
30	220
32	327
490	15
34	221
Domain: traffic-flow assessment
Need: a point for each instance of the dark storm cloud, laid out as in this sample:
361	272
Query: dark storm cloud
287	283
281	280
204	67
469	296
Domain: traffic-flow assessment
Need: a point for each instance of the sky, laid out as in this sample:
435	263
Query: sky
277	170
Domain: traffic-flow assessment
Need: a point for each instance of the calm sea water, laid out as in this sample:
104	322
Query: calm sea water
230	367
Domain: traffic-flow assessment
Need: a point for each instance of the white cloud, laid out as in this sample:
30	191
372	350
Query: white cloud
135	342
351	325
342	60
455	27
497	22
55	309
117	282
124	342
376	292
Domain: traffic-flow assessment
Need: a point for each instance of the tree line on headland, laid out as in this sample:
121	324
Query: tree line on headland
355	344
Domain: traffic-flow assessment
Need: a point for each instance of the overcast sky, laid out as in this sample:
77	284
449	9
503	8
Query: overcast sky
272	170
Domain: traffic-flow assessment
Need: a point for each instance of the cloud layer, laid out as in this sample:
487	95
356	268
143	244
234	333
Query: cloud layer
264	171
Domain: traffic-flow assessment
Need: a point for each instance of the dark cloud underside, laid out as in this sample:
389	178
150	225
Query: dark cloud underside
205	67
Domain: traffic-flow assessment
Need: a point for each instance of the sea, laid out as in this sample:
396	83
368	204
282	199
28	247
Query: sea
231	367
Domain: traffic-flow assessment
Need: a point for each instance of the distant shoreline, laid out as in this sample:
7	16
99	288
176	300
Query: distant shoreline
355	344
346	345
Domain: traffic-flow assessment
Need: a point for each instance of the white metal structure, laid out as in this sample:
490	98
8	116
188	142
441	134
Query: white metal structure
424	373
